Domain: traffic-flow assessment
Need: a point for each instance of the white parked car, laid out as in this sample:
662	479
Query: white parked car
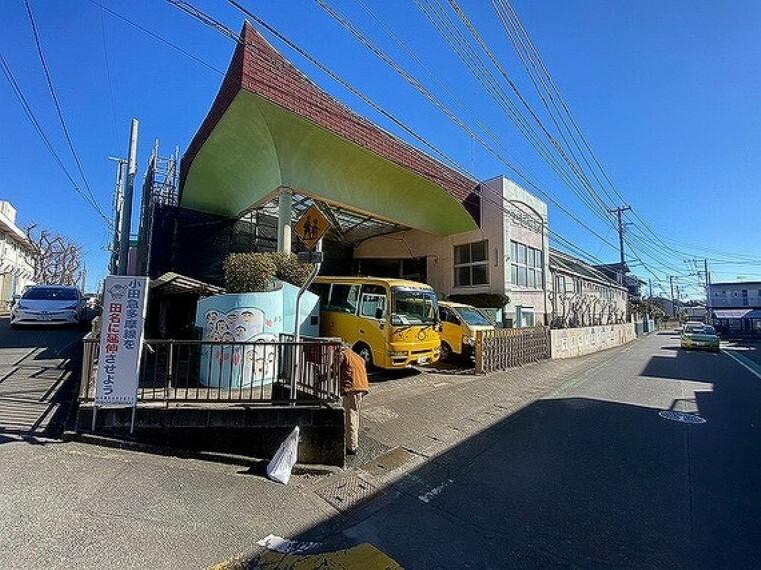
49	304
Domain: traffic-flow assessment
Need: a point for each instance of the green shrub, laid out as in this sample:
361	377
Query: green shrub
252	272
290	270
249	272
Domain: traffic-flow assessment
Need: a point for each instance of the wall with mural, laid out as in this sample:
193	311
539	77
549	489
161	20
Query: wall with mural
256	319
569	343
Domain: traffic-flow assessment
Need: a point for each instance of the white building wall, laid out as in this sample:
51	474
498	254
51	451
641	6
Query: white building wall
498	227
730	295
16	255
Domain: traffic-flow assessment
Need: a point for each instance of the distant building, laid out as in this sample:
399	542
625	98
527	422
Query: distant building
695	313
736	307
17	255
581	295
622	274
666	305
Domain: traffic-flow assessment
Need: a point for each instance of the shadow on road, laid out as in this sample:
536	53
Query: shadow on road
39	373
581	482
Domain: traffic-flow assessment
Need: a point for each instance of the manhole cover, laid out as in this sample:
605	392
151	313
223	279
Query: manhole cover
683	417
346	492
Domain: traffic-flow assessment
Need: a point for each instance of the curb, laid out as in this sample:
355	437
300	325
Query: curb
225	458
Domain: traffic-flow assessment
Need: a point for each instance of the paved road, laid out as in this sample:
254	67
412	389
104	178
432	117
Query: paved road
561	463
590	475
36	366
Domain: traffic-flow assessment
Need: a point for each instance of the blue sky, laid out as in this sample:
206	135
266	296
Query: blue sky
666	93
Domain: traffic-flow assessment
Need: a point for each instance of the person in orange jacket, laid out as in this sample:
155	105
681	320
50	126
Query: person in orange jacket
354	386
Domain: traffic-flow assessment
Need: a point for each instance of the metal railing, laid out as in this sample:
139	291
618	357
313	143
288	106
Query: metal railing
244	372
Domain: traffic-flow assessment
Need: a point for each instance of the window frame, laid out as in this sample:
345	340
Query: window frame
470	265
529	266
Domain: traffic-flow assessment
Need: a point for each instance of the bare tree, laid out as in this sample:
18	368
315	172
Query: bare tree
59	260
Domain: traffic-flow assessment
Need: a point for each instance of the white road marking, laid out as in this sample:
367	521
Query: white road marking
426	497
741	363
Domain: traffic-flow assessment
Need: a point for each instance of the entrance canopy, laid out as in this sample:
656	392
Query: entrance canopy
270	127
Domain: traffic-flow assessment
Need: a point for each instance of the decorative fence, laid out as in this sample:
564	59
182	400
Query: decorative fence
241	372
500	349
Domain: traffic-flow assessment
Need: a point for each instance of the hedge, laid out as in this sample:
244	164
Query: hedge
253	272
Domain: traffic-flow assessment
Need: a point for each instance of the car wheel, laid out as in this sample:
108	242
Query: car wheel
446	351
367	355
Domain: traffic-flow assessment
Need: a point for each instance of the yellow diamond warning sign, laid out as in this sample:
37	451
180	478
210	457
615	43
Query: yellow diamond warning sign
311	226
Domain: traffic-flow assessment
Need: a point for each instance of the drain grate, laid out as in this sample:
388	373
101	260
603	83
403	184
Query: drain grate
347	492
682	417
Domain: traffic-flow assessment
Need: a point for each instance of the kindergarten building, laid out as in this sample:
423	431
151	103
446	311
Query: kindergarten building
273	144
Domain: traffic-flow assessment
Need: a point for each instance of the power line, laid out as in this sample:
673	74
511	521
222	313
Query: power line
158	37
444	109
41	133
201	16
479	70
59	113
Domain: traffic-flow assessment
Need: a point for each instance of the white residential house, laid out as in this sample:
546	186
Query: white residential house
17	255
506	256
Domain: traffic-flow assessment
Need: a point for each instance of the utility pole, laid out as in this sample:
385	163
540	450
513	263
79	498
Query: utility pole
113	266
650	284
618	211
708	291
673	304
126	214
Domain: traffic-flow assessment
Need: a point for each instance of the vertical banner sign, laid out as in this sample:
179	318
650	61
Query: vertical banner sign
121	341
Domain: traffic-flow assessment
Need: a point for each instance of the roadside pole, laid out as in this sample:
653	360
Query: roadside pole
126	214
310	229
314	257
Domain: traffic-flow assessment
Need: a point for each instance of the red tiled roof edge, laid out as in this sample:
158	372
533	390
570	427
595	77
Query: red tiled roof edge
259	68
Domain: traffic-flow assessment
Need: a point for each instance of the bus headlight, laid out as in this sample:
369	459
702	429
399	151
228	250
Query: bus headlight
469	340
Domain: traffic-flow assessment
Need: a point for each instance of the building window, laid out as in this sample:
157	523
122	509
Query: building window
526	267
471	264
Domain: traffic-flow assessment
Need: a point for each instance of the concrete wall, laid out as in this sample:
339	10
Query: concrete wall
569	343
248	431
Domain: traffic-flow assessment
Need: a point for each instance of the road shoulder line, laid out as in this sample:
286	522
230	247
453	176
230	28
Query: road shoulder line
744	362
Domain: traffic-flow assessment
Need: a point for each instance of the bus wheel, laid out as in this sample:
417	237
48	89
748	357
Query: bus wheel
364	351
446	351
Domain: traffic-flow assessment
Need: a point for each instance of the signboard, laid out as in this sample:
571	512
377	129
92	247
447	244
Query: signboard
311	227
121	341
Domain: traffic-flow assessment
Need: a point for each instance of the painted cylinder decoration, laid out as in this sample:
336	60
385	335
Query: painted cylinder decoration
255	319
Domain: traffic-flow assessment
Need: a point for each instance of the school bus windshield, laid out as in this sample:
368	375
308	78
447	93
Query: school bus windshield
413	306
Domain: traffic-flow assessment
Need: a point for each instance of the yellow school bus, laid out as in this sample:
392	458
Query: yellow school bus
391	323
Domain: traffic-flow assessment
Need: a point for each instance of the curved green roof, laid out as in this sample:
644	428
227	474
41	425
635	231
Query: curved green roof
257	147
